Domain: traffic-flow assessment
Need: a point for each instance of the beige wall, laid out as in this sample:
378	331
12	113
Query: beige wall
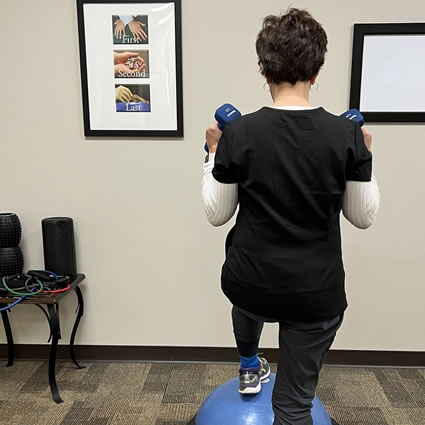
151	259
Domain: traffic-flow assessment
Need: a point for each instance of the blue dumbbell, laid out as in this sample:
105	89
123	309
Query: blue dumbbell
223	115
354	115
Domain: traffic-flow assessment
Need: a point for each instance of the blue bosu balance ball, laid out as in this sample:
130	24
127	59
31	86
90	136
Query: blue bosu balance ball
226	406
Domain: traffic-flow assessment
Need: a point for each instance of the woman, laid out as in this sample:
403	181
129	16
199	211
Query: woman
292	168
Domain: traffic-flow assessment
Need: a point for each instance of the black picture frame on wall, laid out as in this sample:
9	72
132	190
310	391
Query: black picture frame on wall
388	64
131	67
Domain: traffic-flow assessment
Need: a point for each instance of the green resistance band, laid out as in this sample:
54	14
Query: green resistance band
22	294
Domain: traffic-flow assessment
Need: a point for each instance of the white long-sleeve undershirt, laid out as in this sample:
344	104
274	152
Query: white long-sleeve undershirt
220	200
360	203
360	200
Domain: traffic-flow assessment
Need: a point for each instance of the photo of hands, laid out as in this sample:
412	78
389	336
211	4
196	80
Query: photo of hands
133	98
131	49
129	29
134	64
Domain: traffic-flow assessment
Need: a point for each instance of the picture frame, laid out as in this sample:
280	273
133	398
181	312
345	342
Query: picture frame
388	63
131	67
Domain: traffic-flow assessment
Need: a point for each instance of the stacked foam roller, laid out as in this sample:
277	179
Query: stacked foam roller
11	257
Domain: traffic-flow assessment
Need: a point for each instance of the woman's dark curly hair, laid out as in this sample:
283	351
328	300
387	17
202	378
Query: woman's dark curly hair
291	47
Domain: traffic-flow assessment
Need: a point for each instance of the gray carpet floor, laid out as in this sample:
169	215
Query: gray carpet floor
170	394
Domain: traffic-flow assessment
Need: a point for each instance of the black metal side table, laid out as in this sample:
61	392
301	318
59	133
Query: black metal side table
52	316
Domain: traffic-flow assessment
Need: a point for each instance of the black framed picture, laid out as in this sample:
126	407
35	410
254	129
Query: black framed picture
387	69
131	67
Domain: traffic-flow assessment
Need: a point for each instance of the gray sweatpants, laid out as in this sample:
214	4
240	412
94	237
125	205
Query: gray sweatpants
302	347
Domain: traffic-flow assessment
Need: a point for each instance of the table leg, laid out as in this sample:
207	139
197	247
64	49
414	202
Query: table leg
9	336
80	312
48	320
54	320
59	323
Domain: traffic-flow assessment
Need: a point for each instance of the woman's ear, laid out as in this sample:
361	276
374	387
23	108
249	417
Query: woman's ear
313	80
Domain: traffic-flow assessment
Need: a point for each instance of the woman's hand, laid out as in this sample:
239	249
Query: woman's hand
212	136
123	94
136	28
121	57
119	29
367	139
137	98
121	67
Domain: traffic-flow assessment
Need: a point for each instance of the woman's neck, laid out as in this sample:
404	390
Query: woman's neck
286	94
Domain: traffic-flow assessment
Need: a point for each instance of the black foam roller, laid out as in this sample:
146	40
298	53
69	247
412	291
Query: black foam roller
59	245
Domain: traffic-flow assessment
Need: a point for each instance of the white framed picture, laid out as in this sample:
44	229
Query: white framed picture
131	67
388	62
